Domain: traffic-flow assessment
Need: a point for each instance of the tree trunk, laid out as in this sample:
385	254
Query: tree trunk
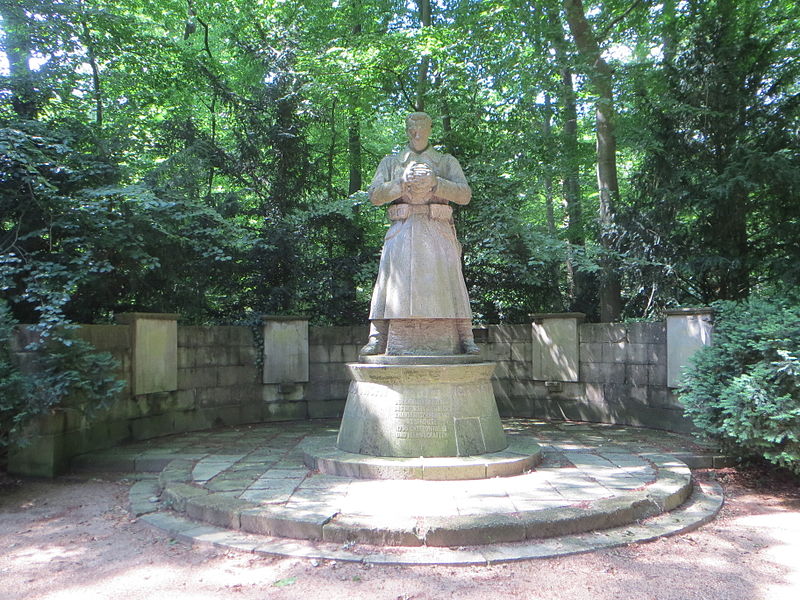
18	48
354	126
600	74
424	10
97	89
668	31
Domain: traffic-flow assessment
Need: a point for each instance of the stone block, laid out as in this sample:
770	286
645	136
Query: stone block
190	420
320	372
248	392
318	391
235	376
603	332
301	525
146	428
241	336
350	352
602	373
370	530
616	393
185	400
615	352
473	530
251	412
522	389
185	358
638	353
647	333
500	351
41	456
246	355
216	509
106	338
335	353
591	352
326	409
657	375
325	336
521	351
509	333
502	370
198	377
637	375
285	411
215	396
207	356
317	353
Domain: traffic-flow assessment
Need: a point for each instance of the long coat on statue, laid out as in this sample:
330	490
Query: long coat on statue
420	270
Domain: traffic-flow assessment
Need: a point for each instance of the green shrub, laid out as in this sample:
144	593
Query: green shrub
744	389
62	367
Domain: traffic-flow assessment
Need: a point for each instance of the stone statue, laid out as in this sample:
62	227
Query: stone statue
420	283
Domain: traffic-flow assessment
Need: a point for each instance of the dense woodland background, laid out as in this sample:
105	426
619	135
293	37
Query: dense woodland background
209	157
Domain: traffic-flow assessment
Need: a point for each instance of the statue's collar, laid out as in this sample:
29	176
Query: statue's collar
430	153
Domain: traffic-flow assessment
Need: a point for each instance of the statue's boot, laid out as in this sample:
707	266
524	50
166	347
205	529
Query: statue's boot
468	344
378	333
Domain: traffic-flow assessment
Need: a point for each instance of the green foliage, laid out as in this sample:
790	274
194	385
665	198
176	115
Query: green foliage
75	244
57	368
744	390
714	208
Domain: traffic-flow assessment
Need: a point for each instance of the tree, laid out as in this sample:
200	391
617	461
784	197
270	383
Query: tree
716	198
600	74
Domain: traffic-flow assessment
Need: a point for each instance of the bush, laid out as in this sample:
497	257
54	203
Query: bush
744	389
64	367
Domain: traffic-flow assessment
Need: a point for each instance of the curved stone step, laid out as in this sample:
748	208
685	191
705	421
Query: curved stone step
321	454
700	508
550	502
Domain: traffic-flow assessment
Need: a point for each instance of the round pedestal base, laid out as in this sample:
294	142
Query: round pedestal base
421	410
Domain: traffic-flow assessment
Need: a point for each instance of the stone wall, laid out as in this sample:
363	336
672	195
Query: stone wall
329	349
553	368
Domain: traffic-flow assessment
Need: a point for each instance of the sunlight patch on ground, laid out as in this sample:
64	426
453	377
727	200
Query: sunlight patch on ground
784	529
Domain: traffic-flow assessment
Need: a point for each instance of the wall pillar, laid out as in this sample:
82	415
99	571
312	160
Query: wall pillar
688	330
556	346
285	370
154	351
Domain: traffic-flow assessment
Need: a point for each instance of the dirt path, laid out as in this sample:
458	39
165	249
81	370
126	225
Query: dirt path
74	539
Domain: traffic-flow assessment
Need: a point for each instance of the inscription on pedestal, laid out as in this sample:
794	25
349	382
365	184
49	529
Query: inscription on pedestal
419	417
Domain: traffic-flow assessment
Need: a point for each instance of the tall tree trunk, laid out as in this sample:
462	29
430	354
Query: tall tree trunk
600	74
354	154
669	30
424	11
354	126
97	89
18	48
547	127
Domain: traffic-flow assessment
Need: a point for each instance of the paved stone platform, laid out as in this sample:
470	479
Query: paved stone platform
249	486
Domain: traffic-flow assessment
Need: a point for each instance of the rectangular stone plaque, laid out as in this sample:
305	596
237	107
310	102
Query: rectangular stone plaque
556	346
285	350
688	330
154	352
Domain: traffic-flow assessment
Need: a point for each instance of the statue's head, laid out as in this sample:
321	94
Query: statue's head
418	129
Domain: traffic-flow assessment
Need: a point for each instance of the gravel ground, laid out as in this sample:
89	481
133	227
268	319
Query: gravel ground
73	538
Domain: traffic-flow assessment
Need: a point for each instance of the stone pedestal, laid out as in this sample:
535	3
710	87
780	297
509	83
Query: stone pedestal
418	408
